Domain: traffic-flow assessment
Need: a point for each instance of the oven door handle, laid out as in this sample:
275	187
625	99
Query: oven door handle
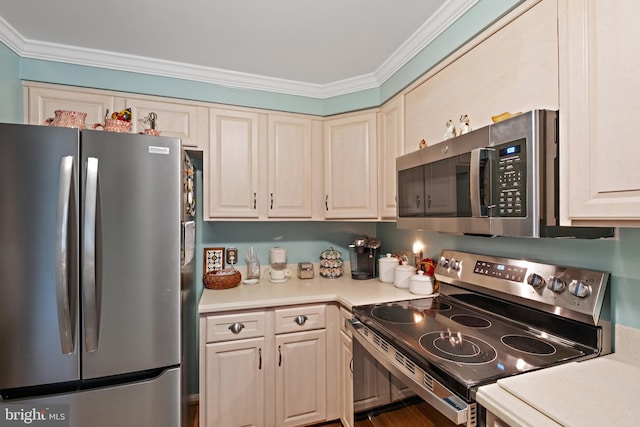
444	401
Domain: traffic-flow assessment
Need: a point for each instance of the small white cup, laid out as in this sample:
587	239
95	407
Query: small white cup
279	275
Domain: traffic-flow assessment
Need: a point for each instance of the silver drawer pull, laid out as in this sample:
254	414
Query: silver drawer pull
301	320
236	328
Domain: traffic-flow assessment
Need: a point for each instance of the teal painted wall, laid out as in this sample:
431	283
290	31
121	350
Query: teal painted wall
11	101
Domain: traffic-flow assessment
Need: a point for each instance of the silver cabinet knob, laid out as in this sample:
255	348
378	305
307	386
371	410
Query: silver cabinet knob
236	328
301	320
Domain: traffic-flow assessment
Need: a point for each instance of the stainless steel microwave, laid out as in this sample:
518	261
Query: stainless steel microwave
499	180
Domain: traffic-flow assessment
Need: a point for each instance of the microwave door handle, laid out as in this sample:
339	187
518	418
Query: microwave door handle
89	267
475	181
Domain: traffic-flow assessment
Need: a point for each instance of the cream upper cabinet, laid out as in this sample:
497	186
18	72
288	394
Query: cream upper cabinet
512	66
44	100
599	108
188	122
391	145
289	167
350	167
231	172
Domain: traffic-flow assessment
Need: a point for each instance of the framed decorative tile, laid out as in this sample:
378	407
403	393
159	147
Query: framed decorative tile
213	259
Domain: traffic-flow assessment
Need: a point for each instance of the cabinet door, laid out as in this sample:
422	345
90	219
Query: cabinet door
301	396
235	384
350	168
178	120
44	101
289	176
232	170
346	389
391	142
370	381
599	109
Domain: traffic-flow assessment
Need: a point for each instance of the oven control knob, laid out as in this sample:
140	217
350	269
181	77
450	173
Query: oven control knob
556	285
535	280
579	289
444	262
454	264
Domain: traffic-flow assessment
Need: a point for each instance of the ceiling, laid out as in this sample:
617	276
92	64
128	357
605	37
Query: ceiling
317	48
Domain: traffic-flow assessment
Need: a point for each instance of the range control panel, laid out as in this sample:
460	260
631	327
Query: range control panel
500	270
577	291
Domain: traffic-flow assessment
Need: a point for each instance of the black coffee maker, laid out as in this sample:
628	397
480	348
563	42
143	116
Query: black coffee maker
363	256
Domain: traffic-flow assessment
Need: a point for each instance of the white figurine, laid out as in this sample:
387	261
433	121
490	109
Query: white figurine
464	124
451	130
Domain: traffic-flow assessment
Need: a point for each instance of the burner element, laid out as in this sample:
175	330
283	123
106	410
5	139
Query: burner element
458	347
471	321
528	344
407	314
394	314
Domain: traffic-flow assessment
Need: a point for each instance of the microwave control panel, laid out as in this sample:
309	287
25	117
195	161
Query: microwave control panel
512	180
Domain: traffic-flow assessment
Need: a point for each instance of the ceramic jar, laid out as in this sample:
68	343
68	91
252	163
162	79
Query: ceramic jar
67	119
421	284
386	266
114	125
401	275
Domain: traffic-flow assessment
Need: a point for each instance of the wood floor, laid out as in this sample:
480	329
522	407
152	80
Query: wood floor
419	415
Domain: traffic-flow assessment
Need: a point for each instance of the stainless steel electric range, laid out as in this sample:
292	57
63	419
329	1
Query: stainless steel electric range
492	318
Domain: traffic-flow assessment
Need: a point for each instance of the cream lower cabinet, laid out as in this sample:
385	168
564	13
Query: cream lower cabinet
346	380
350	167
236	377
269	367
599	109
301	389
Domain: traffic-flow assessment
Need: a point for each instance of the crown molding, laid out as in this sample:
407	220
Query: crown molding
42	50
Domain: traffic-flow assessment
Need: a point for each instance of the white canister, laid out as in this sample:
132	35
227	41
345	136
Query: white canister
421	284
401	275
386	266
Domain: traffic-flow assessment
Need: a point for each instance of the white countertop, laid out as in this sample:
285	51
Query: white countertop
597	392
343	290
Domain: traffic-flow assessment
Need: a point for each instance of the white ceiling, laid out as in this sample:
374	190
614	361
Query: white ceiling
317	48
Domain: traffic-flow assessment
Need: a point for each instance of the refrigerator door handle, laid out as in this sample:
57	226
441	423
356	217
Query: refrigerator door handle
89	268
65	187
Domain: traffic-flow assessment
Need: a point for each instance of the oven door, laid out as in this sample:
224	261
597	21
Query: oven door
434	401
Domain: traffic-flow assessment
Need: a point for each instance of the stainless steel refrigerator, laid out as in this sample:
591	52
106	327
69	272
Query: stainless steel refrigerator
90	274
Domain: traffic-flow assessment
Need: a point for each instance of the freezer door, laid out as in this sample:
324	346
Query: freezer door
154	402
130	252
38	253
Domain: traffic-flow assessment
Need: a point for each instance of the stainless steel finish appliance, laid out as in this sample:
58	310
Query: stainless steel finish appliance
90	265
363	257
499	180
494	317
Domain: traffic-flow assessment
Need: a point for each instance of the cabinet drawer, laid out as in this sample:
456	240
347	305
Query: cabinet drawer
344	316
237	326
299	318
